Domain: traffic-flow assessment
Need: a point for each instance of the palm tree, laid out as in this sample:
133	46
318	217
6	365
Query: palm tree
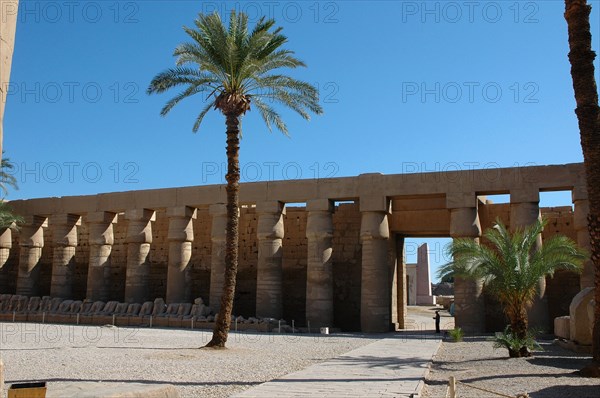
237	68
581	57
6	178
510	268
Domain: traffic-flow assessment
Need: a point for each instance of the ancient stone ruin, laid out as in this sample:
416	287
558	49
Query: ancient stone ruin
337	261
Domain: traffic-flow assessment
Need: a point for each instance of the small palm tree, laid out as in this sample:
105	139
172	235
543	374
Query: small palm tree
511	267
6	178
7	218
237	68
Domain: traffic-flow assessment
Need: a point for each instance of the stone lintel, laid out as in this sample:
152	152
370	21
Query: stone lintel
375	203
217	209
578	193
100	217
456	200
182	211
371	184
525	195
272	206
65	219
140	214
320	205
35	221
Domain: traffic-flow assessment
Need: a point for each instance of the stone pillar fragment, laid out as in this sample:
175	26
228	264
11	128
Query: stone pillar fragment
319	271
469	307
217	256
31	241
64	238
375	295
524	211
580	223
101	239
180	237
5	245
269	272
139	237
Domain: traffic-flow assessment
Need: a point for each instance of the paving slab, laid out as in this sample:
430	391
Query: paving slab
394	366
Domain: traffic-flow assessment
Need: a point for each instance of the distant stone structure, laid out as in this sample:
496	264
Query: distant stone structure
418	279
336	262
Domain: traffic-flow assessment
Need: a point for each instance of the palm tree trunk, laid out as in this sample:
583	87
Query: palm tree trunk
223	320
581	56
519	325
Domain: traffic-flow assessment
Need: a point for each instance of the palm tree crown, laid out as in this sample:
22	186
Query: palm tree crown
235	68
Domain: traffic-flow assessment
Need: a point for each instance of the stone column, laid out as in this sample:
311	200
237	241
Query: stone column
31	241
319	269
269	272
217	254
400	283
139	237
64	239
5	245
580	223
180	237
375	294
469	307
101	239
524	211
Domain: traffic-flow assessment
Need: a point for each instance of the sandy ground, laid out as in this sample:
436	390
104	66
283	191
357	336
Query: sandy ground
66	353
548	374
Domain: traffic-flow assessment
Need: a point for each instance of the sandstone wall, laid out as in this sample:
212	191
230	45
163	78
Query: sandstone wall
8	23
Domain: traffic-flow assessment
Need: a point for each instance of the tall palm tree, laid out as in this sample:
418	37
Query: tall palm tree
581	57
237	68
510	268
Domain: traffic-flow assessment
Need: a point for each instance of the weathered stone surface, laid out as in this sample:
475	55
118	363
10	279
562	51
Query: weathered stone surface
270	232
375	300
180	236
422	204
561	327
580	331
319	271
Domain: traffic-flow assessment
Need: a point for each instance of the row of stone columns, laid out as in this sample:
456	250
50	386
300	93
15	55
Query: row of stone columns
270	233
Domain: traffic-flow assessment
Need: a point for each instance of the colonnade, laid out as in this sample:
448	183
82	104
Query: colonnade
376	278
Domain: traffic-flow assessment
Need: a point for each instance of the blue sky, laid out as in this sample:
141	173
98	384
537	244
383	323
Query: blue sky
406	86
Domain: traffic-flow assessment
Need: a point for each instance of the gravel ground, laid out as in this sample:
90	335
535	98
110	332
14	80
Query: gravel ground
66	353
548	374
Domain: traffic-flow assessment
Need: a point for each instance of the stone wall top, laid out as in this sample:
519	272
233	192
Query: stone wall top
451	184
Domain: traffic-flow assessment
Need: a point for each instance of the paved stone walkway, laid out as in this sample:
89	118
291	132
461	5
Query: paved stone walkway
394	366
